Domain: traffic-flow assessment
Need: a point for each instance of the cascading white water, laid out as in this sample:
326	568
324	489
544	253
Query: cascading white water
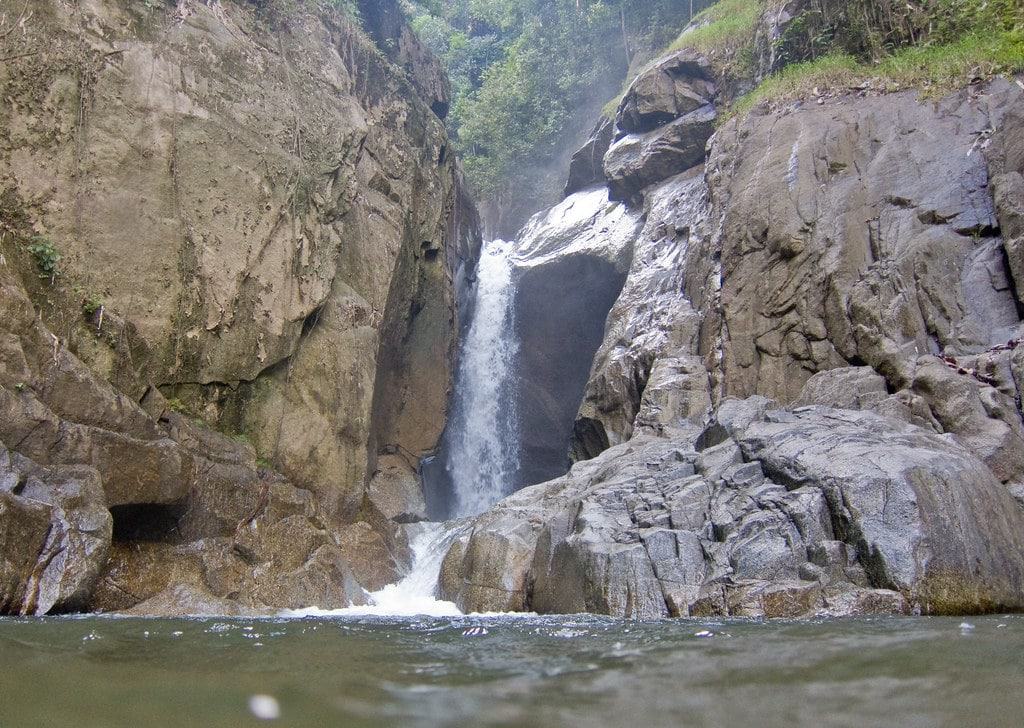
413	595
483	451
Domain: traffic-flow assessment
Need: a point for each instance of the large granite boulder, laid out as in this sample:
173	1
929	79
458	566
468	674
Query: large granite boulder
666	90
662	125
637	161
763	513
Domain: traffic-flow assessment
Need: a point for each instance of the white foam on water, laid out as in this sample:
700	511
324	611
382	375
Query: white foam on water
414	595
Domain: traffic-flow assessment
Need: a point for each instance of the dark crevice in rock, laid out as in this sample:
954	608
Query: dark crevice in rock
311	321
716	434
1012	282
589	439
147	522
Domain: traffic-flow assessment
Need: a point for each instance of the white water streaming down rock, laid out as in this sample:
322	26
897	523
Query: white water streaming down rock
415	594
484	453
484	444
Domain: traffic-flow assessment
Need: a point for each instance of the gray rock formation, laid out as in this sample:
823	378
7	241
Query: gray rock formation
569	266
54	536
854	284
652	318
662	125
666	90
587	165
639	160
765	513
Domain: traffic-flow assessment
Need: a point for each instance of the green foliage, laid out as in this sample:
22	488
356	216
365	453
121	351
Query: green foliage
527	75
176	405
91	304
721	29
241	437
45	255
960	41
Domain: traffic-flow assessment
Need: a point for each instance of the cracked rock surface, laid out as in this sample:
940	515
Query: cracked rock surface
766	512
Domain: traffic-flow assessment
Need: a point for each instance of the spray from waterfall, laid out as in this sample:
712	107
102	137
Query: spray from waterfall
484	445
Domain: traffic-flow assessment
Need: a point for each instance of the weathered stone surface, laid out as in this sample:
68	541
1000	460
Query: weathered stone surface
292	282
651	319
282	557
668	89
852	388
639	160
677	395
396	490
55	535
587	165
781	514
385	21
191	507
1005	153
186	600
277	259
820	281
919	508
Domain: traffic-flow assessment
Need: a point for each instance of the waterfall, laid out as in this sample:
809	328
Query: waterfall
482	443
415	594
483	452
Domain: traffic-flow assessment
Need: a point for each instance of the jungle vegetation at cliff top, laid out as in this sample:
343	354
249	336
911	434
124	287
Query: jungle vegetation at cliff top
947	45
529	74
836	45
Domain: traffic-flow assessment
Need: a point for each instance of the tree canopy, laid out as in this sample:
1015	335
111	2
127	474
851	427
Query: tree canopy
529	76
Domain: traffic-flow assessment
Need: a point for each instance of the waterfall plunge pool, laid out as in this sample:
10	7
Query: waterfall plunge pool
493	671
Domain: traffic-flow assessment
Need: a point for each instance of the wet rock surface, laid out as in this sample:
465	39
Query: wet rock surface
587	165
808	396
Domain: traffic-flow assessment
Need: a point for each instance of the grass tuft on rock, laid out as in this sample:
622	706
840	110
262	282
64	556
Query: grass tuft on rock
724	32
724	28
934	69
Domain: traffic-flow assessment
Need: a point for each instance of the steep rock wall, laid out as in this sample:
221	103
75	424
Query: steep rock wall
808	396
254	217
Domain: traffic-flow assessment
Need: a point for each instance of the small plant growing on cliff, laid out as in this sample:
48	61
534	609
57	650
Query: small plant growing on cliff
91	304
46	257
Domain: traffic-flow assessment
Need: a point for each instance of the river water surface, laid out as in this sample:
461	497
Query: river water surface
525	671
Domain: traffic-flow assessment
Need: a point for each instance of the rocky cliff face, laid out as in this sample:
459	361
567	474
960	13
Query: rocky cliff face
808	397
229	239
